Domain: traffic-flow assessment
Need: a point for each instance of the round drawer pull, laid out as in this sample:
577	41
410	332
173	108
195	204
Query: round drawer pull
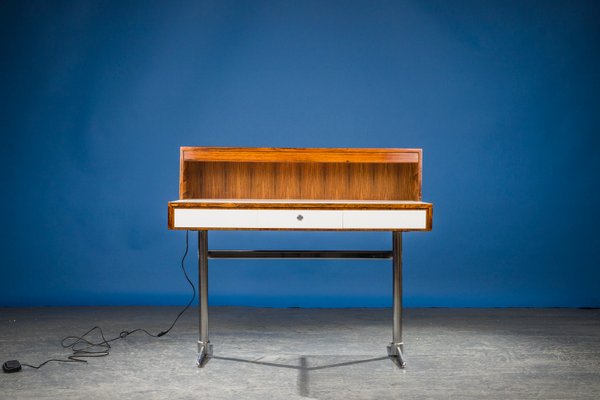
299	217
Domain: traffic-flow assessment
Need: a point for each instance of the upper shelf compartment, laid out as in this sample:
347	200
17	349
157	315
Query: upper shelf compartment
300	173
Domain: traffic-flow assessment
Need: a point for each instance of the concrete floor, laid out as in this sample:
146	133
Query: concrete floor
309	353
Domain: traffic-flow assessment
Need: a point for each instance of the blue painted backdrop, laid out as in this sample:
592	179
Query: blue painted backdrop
503	96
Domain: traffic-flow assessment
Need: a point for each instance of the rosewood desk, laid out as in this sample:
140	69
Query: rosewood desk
229	188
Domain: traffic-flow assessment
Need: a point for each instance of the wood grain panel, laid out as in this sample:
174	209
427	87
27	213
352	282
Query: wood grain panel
318	181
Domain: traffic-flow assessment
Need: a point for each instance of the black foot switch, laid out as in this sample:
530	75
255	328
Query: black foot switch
11	366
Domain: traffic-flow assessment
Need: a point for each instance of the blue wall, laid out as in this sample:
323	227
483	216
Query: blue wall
503	96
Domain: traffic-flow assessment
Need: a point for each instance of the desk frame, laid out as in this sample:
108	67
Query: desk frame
312	189
205	348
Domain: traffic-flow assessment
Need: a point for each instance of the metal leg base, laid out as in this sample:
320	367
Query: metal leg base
205	352
396	352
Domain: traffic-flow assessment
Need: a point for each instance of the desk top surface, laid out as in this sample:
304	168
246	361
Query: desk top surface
299	203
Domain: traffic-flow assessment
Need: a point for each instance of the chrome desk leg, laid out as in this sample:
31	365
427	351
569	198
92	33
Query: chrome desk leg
204	346
396	348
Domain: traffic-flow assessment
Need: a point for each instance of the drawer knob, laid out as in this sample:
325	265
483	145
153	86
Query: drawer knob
300	217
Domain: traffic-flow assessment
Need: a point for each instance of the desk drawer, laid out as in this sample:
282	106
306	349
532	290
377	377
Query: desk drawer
203	218
300	219
385	219
212	218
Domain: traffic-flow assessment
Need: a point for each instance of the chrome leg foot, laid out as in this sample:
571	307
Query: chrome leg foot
205	352
396	352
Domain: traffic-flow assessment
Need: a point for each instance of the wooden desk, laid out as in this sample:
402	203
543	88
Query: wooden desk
224	188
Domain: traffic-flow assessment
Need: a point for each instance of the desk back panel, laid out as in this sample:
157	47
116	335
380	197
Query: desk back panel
311	174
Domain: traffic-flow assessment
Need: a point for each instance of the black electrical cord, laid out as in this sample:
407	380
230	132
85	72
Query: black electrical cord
84	348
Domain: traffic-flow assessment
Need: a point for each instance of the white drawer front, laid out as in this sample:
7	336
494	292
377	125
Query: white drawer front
385	219
207	218
300	219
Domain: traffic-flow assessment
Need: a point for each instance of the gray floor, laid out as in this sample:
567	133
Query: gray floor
310	353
